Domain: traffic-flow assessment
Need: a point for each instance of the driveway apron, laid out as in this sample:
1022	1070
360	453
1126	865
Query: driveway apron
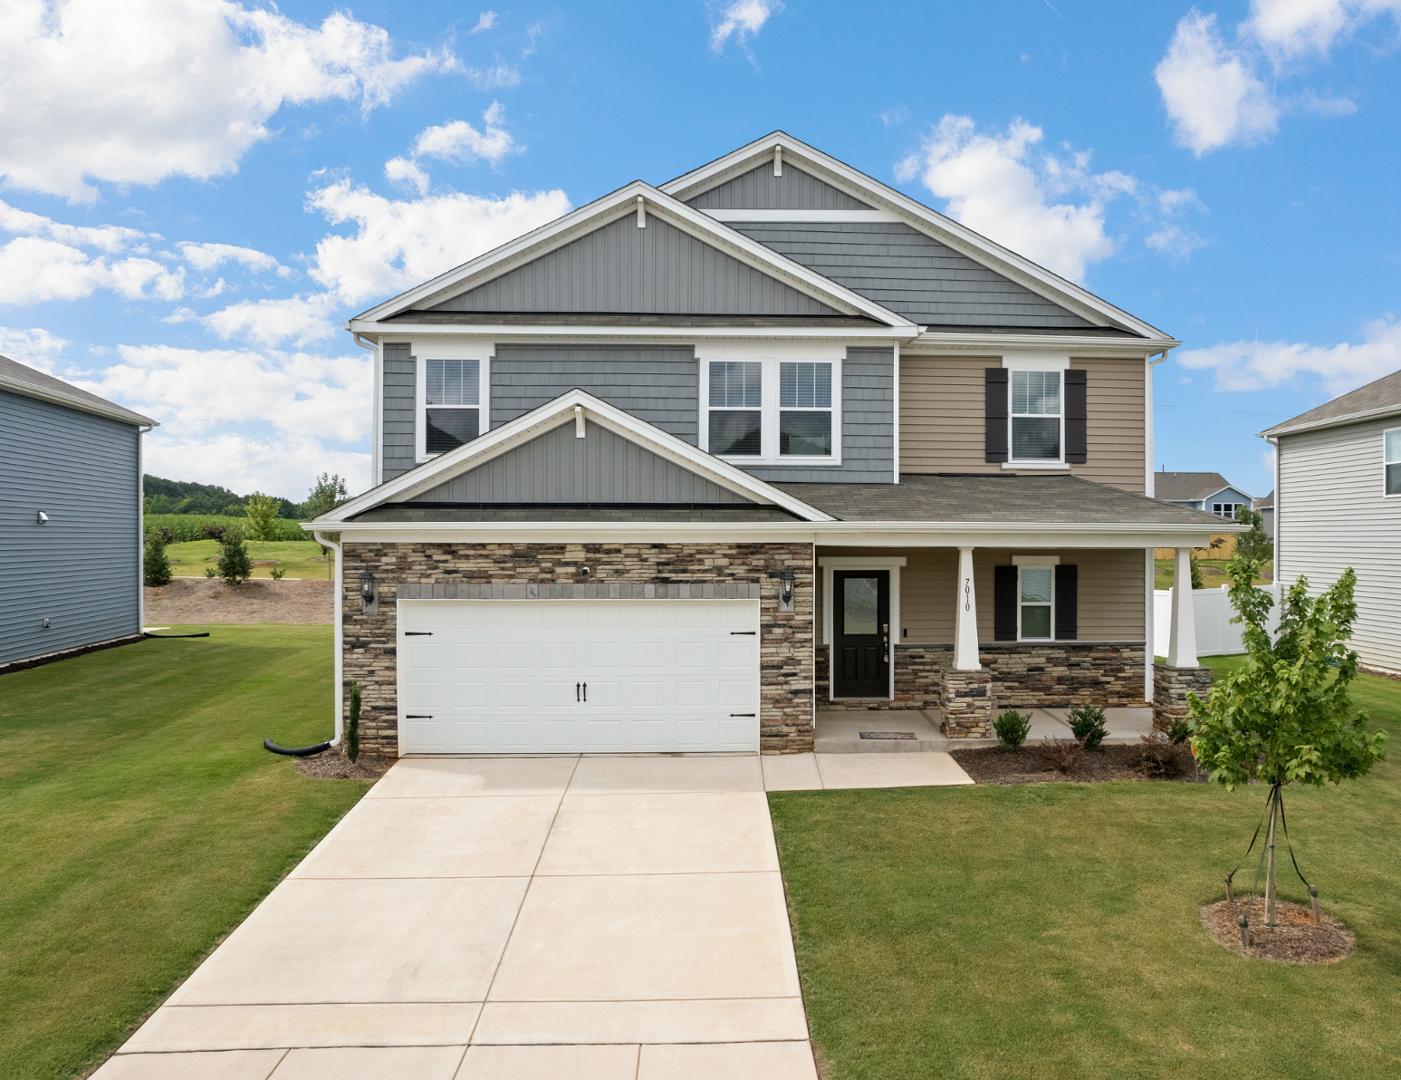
472	918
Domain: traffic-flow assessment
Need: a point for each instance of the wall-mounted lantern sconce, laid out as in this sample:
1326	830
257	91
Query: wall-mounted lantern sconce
785	589
367	589
43	518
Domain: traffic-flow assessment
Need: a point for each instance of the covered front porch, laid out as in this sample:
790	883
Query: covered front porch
909	730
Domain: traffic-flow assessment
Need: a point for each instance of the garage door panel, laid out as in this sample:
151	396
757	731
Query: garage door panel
500	676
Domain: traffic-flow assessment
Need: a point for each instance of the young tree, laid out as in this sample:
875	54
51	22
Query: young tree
260	512
1196	571
327	493
155	565
1285	715
1253	543
234	565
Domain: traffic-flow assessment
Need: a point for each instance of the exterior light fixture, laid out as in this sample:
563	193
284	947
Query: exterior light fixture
367	587
785	589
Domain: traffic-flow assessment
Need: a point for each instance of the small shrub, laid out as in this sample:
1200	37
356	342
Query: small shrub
155	563
1160	758
352	724
1087	725
260	513
235	567
1179	731
277	573
210	572
1011	728
1061	754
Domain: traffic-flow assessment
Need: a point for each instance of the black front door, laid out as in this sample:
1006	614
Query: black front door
861	633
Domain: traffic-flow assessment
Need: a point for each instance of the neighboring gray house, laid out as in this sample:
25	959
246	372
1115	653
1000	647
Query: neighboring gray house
1206	491
1338	504
70	517
695	461
1265	507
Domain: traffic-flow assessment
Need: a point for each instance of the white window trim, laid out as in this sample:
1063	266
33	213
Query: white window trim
1036	562
860	562
1217	508
1385	462
483	406
771	357
1036	362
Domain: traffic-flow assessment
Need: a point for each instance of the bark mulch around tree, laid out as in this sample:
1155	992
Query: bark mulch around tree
1065	762
334	765
1294	939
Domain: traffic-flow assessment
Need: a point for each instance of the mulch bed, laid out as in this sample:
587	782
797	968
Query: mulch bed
1038	765
333	765
202	601
1294	939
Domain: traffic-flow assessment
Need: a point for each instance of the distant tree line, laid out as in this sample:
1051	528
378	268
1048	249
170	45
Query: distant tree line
187	497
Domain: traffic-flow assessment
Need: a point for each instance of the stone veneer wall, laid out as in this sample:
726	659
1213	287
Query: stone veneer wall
1050	675
443	569
1171	686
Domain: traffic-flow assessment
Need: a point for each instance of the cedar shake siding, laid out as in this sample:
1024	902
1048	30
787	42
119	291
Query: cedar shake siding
943	426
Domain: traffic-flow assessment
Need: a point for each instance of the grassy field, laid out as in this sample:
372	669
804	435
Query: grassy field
1051	930
299	558
140	821
1213	573
186	527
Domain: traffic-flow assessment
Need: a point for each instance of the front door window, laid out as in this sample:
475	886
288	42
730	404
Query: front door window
861	633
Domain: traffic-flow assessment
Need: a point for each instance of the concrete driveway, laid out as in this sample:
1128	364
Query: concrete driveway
594	917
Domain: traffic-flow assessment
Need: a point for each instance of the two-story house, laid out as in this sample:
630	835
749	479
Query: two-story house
693	462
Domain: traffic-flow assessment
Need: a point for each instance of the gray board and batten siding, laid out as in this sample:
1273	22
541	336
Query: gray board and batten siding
80	570
760	189
658	384
558	467
622	269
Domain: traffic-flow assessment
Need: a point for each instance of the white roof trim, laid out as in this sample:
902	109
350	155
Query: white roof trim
552	414
1288	428
397	330
600	212
945	229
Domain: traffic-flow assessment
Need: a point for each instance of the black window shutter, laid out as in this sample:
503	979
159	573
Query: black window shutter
995	411
1076	417
1067	603
1004	603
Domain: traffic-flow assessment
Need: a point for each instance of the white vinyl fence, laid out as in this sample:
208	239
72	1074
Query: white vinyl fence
1216	634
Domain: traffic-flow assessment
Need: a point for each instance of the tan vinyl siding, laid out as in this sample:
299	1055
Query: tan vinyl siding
1331	513
942	408
1111	591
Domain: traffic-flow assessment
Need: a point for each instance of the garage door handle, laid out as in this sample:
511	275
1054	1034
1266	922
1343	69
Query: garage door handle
586	692
742	714
418	633
418	716
576	691
743	633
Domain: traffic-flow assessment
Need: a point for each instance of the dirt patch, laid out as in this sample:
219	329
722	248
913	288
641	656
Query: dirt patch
199	601
334	765
1037	764
1294	939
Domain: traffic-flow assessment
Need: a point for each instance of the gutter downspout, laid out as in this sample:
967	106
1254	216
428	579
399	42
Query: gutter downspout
1150	567
335	545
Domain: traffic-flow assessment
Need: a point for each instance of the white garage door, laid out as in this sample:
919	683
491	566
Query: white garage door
577	676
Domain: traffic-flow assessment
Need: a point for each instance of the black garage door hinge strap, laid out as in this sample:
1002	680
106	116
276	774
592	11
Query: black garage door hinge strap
743	714
743	633
418	716
418	633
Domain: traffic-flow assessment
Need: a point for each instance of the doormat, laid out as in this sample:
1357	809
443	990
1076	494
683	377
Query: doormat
887	734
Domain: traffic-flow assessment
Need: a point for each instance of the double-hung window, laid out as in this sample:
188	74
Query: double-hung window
772	411
452	404
1036	415
1036	590
1391	461
1224	510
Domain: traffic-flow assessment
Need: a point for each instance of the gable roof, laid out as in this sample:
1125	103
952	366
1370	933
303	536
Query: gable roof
566	408
944	229
635	197
1382	397
21	379
1190	486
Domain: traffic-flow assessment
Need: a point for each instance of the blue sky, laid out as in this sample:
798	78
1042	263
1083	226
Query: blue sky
1227	172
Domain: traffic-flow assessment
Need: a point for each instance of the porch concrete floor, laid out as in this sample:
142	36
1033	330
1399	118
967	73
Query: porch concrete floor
1126	725
839	730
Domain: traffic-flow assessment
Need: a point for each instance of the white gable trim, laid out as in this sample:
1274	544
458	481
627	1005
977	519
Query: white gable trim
944	229
624	201
552	414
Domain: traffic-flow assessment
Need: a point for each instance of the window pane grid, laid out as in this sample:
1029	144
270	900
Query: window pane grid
1391	461
1035	594
805	386
453	383
1036	415
735	384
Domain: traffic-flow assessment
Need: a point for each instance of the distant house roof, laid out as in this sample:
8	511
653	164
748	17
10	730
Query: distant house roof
21	379
1188	486
1266	502
1377	398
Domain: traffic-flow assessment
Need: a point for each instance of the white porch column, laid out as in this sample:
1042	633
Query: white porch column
1182	640
965	650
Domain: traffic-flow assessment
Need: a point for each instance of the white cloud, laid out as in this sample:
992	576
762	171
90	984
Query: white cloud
301	320
109	238
147	89
458	141
1175	241
34	346
485	21
210	256
284	464
33	269
408	172
894	116
498	76
1260	365
740	21
399	242
1293	27
1212	95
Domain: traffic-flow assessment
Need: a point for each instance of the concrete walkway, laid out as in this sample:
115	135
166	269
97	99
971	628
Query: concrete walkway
595	918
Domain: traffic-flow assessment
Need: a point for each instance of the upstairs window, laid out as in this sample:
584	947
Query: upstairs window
773	411
1225	510
452	409
805	410
1035	415
736	408
1391	460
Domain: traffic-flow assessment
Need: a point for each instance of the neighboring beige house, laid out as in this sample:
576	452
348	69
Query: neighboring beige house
1337	503
693	462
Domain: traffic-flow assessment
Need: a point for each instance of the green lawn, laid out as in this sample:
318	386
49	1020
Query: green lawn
141	819
299	558
1213	573
1051	930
